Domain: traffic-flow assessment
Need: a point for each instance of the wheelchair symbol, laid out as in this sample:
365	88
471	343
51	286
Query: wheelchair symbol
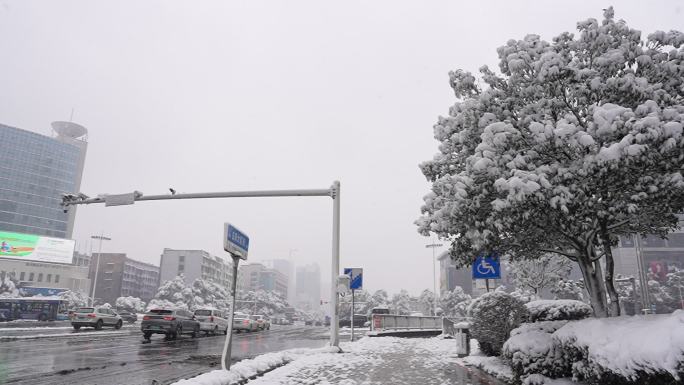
485	268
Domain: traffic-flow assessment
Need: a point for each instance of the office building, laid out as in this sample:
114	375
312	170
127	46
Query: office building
195	264
255	276
285	267
35	170
308	287
120	276
47	275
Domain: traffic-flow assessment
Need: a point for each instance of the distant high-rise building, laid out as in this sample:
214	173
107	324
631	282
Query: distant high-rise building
450	276
195	264
120	276
308	292
35	170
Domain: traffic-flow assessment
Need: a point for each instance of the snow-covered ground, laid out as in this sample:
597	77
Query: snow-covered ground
370	361
52	335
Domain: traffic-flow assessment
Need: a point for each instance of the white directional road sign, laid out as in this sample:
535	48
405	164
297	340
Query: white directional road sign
356	277
235	241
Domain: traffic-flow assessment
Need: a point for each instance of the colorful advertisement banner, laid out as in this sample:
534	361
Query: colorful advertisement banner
30	247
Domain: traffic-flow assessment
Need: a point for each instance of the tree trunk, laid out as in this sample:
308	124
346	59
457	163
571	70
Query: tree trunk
593	285
610	268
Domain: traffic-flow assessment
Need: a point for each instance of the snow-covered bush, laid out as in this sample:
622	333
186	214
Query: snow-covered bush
131	304
494	315
165	304
557	310
8	286
530	350
568	289
74	299
643	350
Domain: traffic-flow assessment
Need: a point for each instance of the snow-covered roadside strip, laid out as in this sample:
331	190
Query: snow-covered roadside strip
252	368
39	328
38	336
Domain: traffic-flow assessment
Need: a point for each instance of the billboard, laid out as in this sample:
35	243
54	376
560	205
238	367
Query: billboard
30	247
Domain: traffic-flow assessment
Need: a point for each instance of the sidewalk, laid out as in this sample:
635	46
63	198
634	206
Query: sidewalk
382	360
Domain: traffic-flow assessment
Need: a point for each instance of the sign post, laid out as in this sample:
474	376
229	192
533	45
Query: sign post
487	267
236	243
355	283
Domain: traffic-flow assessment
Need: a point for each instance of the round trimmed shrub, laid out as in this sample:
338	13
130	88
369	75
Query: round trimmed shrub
494	315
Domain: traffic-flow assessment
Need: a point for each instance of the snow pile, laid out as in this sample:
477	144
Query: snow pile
531	350
492	365
251	368
131	304
637	349
538	379
557	310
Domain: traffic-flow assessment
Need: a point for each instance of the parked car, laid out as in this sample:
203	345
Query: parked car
212	321
170	322
262	322
243	323
128	316
359	320
95	317
318	323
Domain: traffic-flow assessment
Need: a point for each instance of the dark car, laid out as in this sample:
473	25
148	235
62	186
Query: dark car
170	322
359	321
128	316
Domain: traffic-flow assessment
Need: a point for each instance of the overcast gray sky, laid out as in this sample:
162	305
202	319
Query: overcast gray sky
219	95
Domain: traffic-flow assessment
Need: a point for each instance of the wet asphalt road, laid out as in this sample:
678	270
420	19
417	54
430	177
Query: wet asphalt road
65	356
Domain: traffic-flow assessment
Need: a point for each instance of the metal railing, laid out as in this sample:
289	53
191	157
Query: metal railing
405	322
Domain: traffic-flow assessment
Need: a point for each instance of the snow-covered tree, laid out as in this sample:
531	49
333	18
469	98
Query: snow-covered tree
267	302
427	301
401	303
131	304
174	293
573	143
539	273
8	285
380	298
74	299
208	293
455	303
568	289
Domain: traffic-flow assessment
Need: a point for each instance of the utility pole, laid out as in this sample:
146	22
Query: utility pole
332	192
434	271
101	237
643	277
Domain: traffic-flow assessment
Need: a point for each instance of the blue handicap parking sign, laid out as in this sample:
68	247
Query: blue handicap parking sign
487	267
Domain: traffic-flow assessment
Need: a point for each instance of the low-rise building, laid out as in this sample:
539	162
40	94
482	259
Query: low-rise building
195	264
47	275
120	276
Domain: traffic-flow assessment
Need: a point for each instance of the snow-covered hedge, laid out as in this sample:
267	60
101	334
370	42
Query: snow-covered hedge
131	304
644	350
494	315
557	310
531	350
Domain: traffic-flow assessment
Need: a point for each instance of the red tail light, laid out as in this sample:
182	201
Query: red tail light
145	318
169	318
92	315
211	319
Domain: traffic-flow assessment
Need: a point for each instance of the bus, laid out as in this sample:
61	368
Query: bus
33	308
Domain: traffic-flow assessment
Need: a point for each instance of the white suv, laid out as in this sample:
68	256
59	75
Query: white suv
96	317
212	321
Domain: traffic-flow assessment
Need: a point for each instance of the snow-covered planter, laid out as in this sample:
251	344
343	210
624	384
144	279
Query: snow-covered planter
644	350
494	315
530	350
557	310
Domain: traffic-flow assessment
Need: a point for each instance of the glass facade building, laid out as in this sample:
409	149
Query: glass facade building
35	170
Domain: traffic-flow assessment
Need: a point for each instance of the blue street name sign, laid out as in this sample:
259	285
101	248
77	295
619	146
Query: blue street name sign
355	277
235	241
487	267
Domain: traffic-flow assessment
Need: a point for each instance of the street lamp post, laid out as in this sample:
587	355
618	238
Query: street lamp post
434	271
101	237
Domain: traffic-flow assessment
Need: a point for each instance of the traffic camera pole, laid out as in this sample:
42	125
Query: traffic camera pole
227	346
